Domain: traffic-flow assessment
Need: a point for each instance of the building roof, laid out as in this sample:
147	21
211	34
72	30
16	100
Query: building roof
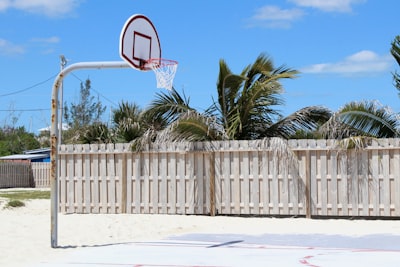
38	151
48	128
24	157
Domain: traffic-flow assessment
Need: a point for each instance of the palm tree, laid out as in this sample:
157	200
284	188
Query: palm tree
168	107
245	108
247	103
395	51
167	119
96	133
366	118
127	120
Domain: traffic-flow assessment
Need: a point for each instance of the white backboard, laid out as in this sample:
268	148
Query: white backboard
139	42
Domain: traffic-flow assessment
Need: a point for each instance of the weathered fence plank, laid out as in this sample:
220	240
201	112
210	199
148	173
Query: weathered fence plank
95	174
41	174
395	173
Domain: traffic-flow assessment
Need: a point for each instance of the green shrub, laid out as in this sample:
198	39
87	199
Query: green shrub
15	203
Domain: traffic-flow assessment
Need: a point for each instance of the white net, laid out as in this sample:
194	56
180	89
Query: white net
165	70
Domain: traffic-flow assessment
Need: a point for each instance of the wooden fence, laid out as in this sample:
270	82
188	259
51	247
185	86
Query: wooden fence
24	174
293	178
41	174
15	174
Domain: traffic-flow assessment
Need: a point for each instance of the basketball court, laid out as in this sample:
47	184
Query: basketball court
141	50
210	250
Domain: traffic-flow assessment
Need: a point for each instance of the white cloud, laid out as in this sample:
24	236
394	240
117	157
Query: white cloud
329	5
46	45
275	17
362	62
49	40
8	48
4	4
51	8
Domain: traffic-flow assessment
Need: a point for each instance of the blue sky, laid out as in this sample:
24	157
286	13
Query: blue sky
341	48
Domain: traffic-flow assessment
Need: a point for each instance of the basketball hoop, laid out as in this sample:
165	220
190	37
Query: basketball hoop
164	69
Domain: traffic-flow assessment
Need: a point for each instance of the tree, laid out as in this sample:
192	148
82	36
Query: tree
395	51
16	140
245	108
86	112
161	118
96	133
249	106
127	120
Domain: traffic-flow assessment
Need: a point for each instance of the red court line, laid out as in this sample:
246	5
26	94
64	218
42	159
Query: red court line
304	261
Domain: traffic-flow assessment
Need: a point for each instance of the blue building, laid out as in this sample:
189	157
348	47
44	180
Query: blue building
35	155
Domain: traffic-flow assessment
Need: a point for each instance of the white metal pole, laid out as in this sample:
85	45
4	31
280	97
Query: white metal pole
54	134
63	63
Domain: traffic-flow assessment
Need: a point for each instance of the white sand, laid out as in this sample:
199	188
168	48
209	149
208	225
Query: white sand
25	231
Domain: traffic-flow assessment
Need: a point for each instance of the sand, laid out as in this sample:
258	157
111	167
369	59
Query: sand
25	231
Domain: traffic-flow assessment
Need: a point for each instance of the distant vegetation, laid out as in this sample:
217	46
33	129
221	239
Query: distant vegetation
16	140
24	195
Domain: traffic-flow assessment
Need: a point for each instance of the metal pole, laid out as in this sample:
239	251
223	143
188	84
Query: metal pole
63	63
54	134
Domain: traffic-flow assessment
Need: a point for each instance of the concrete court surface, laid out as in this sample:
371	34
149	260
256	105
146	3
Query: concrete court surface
210	250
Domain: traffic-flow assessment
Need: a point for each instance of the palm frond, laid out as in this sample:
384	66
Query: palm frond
370	119
168	105
198	128
395	51
306	119
97	133
190	127
228	88
127	122
366	118
280	149
354	142
263	63
126	110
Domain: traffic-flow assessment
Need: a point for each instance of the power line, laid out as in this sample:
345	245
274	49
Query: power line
30	87
40	83
109	100
34	109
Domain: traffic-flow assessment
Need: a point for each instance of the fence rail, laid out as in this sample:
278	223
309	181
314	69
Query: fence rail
298	177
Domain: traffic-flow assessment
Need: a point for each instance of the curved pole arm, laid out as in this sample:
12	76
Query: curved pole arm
54	132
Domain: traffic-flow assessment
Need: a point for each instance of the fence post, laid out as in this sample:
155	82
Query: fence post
212	183
308	185
124	184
